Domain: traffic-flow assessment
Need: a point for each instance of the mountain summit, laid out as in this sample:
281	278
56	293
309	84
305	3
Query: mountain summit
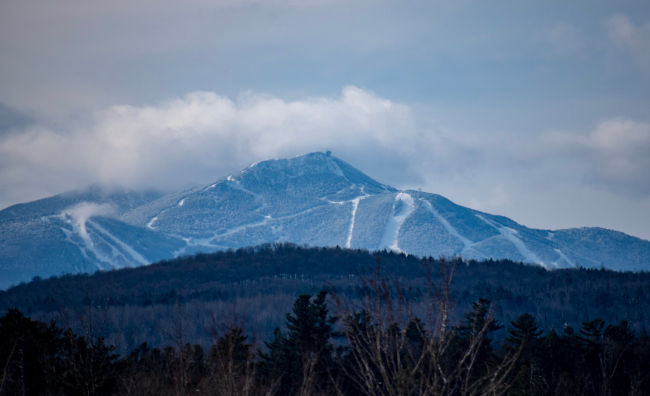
315	199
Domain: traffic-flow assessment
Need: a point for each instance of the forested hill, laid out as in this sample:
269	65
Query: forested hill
257	286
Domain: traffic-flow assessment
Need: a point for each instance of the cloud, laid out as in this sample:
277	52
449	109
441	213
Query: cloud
203	136
617	153
497	198
631	38
11	119
563	40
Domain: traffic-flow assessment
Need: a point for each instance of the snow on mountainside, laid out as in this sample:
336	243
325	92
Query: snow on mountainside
76	232
314	199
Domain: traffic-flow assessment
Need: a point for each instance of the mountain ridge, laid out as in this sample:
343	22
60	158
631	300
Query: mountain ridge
314	199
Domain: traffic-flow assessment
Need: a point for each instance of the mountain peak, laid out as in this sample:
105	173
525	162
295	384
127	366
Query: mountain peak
316	160
319	165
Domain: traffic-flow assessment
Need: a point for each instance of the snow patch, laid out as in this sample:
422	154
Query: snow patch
253	164
403	206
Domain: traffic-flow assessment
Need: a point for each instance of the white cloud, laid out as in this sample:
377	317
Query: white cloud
499	198
631	38
616	152
203	136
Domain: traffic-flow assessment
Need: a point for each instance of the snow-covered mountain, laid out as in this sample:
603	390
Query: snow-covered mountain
76	232
315	199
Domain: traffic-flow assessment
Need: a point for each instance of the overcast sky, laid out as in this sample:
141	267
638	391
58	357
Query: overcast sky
537	110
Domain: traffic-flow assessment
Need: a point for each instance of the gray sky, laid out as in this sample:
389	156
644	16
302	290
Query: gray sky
537	110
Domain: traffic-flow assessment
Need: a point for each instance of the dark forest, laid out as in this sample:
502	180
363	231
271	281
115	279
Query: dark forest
285	319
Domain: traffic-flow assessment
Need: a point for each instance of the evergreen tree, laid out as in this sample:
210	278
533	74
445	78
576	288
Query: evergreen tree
29	355
478	324
529	378
302	358
524	330
591	340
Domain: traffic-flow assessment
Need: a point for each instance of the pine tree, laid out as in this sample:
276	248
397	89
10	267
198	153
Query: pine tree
524	330
302	358
529	378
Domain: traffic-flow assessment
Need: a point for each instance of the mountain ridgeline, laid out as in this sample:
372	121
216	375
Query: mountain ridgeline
315	199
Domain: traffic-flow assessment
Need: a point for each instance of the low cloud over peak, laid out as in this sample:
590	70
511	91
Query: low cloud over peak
202	136
199	137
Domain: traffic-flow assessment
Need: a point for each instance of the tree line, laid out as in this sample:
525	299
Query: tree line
131	306
376	344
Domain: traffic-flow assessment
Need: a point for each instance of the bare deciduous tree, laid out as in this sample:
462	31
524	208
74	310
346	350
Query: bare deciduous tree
392	352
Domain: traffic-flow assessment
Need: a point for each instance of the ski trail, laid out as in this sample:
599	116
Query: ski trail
132	252
267	219
236	184
353	217
104	262
468	245
77	219
150	223
450	229
115	251
395	221
238	228
355	206
335	168
511	235
564	257
68	237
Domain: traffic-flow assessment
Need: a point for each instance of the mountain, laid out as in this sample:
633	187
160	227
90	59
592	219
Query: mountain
76	232
315	199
